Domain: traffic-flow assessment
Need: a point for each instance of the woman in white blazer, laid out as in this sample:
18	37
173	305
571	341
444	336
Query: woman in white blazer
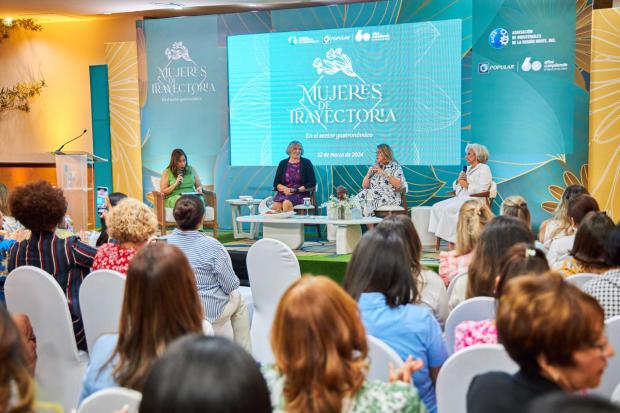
475	180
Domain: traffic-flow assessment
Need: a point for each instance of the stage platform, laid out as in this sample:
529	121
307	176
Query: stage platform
316	257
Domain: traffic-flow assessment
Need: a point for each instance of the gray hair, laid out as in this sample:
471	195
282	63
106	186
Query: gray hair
292	144
481	152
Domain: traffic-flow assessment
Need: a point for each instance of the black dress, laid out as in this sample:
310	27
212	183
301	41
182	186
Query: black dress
498	392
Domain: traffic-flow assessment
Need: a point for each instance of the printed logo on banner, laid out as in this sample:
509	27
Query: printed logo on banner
181	79
483	68
528	65
332	101
499	38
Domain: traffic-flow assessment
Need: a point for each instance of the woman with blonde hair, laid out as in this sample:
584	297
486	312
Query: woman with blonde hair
473	216
130	224
516	206
160	304
320	350
559	225
382	182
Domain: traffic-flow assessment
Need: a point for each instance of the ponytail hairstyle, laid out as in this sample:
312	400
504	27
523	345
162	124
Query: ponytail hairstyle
516	206
473	216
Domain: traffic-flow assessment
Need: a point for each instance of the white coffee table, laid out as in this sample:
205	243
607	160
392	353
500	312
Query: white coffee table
291	230
235	212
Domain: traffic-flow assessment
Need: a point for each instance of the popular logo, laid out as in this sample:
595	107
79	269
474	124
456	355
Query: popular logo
483	68
528	65
499	38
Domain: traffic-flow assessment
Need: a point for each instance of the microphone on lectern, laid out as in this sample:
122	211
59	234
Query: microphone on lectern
59	150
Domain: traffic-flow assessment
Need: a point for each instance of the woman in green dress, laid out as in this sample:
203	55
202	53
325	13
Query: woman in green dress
178	178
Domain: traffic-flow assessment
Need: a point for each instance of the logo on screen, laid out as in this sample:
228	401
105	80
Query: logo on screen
340	96
361	36
499	38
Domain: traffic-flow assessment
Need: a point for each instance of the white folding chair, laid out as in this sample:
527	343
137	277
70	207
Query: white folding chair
60	366
110	400
615	396
473	309
579	280
458	371
380	356
101	300
272	268
611	376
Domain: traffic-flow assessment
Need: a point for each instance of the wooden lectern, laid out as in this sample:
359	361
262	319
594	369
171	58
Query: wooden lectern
74	175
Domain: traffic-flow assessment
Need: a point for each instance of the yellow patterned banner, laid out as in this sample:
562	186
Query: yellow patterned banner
604	174
122	60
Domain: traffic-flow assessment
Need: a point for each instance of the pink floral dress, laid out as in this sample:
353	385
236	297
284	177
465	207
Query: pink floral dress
451	265
113	257
470	333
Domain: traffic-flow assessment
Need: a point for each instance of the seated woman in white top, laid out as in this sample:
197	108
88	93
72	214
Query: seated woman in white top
476	180
559	225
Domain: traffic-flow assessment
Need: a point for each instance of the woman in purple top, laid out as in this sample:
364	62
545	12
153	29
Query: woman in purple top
294	177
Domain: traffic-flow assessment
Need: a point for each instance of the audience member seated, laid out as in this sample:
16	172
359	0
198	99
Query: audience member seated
520	259
381	182
40	207
160	304
606	287
516	206
560	247
498	236
10	223
215	278
110	202
178	178
379	278
559	225
476	180
473	216
199	373
131	224
294	177
29	341
555	333
588	252
432	289
17	386
5	247
320	350
572	403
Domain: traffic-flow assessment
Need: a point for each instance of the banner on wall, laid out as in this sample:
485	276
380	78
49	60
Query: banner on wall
186	85
523	75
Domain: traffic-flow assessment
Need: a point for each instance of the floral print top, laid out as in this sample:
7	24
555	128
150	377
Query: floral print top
113	257
470	333
380	192
374	396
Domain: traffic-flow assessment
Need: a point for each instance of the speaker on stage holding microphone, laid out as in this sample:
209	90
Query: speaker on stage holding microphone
179	178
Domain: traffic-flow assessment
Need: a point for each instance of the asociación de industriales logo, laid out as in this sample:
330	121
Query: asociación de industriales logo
499	38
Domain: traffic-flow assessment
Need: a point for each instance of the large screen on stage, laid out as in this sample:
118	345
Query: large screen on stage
340	92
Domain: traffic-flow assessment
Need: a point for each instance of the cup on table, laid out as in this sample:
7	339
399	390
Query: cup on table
306	202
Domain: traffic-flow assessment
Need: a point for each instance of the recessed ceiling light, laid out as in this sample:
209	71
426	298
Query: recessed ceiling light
7	21
108	12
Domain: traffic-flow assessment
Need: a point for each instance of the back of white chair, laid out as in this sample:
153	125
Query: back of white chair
60	366
611	377
615	395
473	309
110	400
101	300
381	355
272	268
579	280
458	371
453	283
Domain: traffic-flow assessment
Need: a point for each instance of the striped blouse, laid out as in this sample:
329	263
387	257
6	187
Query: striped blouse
215	277
67	260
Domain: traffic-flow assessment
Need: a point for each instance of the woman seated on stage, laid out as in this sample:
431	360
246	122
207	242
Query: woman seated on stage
294	177
476	180
381	183
178	178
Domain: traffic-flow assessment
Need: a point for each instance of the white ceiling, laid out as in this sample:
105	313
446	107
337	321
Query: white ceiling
24	8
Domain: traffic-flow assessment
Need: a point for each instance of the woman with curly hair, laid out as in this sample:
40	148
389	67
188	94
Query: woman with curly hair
160	304
40	207
320	348
130	224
